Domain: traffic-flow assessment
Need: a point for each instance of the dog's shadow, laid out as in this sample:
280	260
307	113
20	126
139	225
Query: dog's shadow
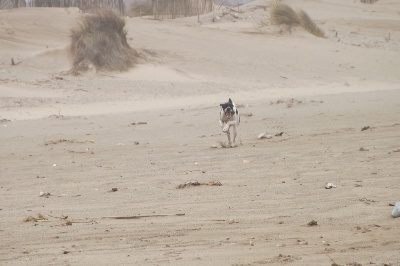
225	145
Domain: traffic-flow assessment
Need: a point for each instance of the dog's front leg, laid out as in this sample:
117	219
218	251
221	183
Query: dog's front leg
234	134
228	133
226	127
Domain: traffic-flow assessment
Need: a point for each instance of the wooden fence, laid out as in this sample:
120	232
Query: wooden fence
84	5
180	8
161	9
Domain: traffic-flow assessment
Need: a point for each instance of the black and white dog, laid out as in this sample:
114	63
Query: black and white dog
229	117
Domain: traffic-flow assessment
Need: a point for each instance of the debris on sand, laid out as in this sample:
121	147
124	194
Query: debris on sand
396	210
329	186
138	123
289	102
142	216
367	201
56	116
363	149
312	223
44	194
279	134
264	135
68	141
280	259
59	141
4	120
114	189
197	183
365	128
37	218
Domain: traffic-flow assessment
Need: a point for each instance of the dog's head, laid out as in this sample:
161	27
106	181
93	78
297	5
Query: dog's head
228	108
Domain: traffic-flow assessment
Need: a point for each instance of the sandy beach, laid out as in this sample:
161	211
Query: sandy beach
93	167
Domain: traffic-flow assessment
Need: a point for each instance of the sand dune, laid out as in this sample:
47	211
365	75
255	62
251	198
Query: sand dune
77	137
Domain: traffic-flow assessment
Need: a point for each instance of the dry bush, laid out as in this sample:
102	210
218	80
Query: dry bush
368	1
282	14
99	41
308	24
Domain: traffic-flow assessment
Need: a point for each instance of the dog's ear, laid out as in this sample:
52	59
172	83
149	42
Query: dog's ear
230	101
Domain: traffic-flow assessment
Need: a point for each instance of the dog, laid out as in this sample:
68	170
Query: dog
229	117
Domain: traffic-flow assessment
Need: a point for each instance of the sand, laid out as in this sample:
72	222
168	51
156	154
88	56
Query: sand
68	141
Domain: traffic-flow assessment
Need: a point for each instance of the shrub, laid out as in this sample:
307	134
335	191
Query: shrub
99	40
284	14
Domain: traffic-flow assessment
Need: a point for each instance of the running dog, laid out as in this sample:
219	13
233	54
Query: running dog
229	117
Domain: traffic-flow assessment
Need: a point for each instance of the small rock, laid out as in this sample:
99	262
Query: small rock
365	128
264	135
216	18
396	210
44	194
279	134
302	242
114	189
329	186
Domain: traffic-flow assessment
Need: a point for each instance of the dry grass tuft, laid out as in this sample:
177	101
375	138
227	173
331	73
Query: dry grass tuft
99	41
282	14
38	217
197	183
309	25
